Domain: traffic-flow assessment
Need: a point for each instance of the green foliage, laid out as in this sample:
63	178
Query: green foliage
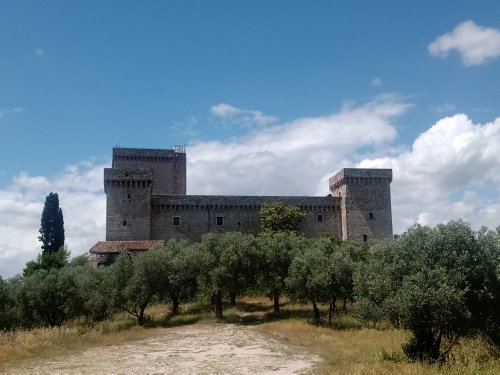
229	263
438	283
52	225
47	260
137	281
183	270
278	216
94	288
324	273
277	250
6	306
49	297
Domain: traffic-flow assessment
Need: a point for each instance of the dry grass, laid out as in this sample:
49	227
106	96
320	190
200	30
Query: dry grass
71	338
347	346
348	349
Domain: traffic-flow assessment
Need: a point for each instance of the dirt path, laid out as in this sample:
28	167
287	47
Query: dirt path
201	349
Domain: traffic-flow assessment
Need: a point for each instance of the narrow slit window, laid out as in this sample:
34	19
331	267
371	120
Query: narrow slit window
365	238
371	216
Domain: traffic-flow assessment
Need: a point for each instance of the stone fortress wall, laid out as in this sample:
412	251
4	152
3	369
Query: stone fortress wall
146	201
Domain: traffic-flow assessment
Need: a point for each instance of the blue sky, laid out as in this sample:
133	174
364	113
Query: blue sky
270	97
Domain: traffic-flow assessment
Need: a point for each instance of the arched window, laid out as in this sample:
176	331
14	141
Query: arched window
365	238
124	223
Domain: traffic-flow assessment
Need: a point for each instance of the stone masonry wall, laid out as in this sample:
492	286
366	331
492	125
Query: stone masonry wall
128	203
366	203
189	217
169	166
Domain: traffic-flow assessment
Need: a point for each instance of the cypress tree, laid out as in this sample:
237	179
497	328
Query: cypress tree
52	225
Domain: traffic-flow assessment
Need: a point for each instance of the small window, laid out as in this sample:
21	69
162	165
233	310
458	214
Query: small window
219	220
365	238
176	221
124	223
371	216
319	218
239	222
128	196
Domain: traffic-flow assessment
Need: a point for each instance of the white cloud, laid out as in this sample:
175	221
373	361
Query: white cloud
292	158
377	81
452	171
21	203
233	115
475	44
39	52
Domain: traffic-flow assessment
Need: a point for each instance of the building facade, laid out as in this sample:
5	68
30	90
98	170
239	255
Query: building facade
147	205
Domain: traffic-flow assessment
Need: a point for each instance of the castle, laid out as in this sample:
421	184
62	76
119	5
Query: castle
147	205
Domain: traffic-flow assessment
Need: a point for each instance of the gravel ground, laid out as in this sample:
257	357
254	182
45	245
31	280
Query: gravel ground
201	349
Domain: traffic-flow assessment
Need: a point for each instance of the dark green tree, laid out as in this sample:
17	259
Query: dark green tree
46	261
278	216
277	250
49	297
440	283
183	269
229	263
6	305
52	225
310	276
137	280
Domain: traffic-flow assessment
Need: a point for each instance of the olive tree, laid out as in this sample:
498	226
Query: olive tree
49	297
277	250
137	280
432	282
229	264
182	268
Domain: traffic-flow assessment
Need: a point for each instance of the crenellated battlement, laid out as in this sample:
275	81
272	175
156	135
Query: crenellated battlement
146	200
360	176
127	178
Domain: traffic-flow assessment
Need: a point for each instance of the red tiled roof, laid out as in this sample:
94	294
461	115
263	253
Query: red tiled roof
104	247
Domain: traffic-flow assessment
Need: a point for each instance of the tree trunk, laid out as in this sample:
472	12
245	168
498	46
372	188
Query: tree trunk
276	298
344	305
331	309
175	304
140	318
218	305
233	298
316	312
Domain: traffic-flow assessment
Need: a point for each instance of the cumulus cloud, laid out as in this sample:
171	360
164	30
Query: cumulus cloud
292	158
21	203
452	171
475	44
233	115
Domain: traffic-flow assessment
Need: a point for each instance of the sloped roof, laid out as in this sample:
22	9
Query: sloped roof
107	247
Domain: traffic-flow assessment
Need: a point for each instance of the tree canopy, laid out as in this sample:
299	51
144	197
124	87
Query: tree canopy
52	225
278	216
437	282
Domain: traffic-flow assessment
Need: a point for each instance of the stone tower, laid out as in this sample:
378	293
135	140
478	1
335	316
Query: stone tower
135	176
366	203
